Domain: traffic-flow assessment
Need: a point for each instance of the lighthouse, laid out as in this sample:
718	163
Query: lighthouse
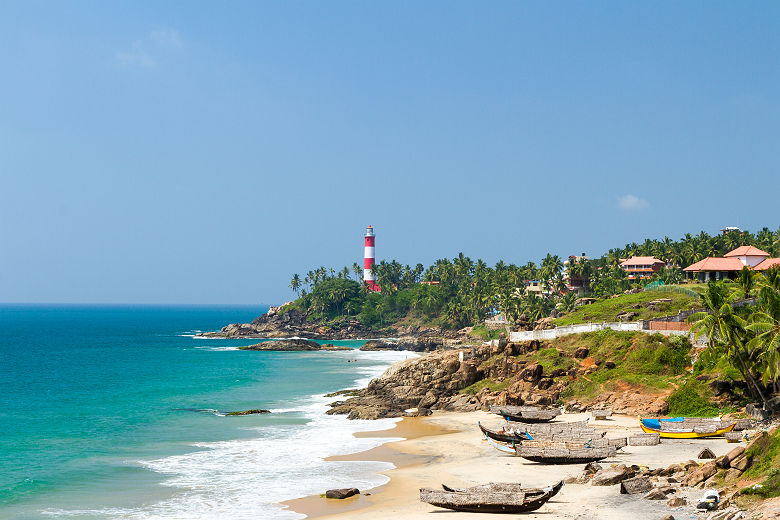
368	260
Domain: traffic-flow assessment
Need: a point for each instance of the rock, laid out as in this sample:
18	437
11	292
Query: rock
532	373
668	517
700	475
636	485
592	467
655	494
609	365
706	453
379	345
342	493
612	476
284	345
725	461
733	436
248	412
432	381
756	412
731	474
626	316
331	346
581	353
741	463
676	502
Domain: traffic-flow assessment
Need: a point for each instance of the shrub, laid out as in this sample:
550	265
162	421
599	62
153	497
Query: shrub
689	400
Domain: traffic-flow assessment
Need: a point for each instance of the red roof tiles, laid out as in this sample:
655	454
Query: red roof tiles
716	264
768	263
746	251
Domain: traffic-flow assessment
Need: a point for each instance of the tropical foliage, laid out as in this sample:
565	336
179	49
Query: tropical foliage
748	337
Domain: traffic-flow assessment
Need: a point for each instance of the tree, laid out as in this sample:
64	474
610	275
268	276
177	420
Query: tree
725	331
295	283
745	280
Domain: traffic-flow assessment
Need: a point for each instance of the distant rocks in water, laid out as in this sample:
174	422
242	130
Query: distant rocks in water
330	346
249	412
410	343
285	345
342	493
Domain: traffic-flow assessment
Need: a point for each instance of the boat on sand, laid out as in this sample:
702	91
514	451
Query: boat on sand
686	427
490	498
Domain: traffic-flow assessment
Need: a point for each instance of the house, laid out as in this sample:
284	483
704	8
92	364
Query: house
638	267
729	266
576	283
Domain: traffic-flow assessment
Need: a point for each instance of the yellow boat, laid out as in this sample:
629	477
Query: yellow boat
685	431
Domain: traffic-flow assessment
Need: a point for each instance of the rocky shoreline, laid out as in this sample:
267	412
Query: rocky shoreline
436	381
288	323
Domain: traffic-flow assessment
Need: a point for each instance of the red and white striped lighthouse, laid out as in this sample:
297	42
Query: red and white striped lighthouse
369	257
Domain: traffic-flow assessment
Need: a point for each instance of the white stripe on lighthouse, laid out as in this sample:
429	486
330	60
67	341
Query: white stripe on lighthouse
368	275
369	252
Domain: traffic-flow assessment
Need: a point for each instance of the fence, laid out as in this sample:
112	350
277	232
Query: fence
652	327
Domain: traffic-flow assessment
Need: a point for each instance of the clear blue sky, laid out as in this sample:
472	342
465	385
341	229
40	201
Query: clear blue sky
193	152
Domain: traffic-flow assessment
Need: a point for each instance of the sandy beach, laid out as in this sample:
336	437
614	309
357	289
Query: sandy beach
448	448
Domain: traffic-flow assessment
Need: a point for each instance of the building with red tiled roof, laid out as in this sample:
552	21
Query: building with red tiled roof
638	267
748	255
768	263
716	268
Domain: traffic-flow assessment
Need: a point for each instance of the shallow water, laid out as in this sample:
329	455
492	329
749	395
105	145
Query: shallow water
118	412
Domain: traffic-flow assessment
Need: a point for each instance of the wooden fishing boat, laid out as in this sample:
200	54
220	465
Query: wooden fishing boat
686	427
564	454
513	486
503	435
508	449
490	498
527	414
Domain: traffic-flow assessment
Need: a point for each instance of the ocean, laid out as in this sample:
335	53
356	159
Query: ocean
117	412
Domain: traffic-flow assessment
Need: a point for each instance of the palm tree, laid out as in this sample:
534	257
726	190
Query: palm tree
765	324
358	272
725	330
295	283
746	280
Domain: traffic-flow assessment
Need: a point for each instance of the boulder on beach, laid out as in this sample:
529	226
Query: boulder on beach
342	493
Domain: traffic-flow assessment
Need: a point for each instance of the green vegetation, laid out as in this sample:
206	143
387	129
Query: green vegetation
606	310
692	400
652	361
748	338
765	456
493	386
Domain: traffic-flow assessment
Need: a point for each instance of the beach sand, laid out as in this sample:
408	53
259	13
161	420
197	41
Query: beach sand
448	448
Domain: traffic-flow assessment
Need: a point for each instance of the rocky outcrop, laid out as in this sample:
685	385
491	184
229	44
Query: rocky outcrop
284	345
249	412
432	381
285	322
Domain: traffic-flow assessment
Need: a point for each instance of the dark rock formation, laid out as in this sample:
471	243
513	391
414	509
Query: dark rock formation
284	345
249	412
342	493
432	381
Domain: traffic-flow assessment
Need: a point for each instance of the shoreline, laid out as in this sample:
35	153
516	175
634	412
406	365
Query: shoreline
410	428
454	452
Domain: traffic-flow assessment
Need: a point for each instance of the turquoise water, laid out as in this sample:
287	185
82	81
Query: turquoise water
116	412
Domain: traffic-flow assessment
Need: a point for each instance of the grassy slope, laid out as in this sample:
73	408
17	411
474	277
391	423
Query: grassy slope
649	363
765	467
606	310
